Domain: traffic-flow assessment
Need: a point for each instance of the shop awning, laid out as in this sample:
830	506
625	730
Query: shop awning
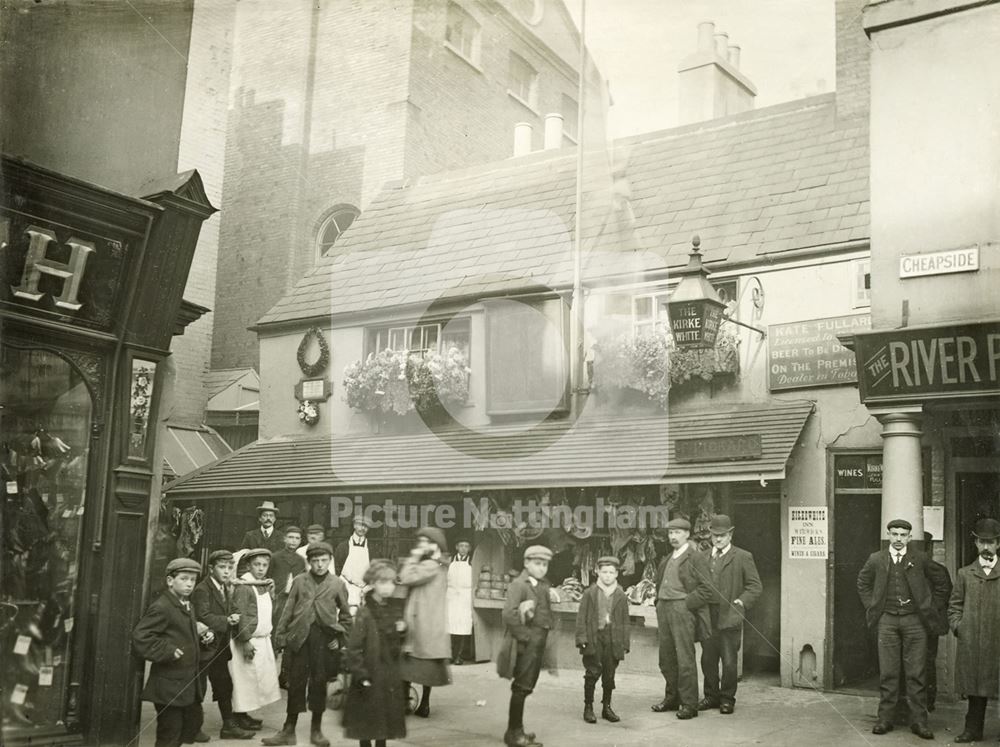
733	443
186	448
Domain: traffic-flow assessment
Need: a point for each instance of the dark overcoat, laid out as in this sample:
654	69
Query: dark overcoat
305	597
255	539
735	578
373	651
587	622
211	608
928	588
974	616
696	580
165	627
518	636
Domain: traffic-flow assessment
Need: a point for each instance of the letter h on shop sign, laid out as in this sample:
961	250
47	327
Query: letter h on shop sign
38	263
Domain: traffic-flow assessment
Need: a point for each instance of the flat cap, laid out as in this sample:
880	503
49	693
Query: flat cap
900	524
609	560
315	528
538	552
179	565
721	524
257	552
435	535
216	555
987	529
679	523
293	528
319	548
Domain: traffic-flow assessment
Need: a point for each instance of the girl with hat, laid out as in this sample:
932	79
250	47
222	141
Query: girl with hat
427	646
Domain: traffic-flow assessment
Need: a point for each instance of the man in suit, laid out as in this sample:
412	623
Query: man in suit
682	596
735	587
900	592
211	600
265	535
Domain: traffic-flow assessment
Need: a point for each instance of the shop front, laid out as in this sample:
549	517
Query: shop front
89	303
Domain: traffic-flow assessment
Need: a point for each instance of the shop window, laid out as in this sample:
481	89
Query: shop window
45	420
421	339
333	226
861	274
522	81
462	33
140	406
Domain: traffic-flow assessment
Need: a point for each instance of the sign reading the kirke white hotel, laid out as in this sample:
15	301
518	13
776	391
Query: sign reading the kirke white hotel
944	262
922	363
808	354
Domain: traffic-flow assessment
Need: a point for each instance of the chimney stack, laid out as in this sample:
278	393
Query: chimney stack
553	131
522	139
711	84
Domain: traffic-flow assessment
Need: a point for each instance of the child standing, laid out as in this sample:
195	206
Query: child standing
376	704
602	635
168	636
527	615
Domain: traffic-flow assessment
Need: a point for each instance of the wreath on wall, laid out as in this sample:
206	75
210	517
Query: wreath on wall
319	365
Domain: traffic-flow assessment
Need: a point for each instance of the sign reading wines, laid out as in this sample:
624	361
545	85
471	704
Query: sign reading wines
808	354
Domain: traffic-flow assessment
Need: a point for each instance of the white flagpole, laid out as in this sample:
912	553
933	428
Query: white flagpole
576	337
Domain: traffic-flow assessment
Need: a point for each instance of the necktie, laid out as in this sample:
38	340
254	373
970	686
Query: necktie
895	558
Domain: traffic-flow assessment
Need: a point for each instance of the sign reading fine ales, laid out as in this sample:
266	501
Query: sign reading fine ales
917	364
808	354
807	533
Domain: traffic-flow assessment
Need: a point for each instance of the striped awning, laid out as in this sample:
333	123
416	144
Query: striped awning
594	451
186	448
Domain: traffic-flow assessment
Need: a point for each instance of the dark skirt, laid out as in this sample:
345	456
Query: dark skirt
429	672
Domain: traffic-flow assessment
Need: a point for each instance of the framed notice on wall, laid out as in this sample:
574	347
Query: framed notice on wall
808	535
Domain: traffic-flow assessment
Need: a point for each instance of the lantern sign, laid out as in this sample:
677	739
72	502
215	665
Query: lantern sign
695	308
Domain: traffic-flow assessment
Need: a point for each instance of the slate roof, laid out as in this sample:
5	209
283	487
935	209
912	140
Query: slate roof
595	451
217	379
755	184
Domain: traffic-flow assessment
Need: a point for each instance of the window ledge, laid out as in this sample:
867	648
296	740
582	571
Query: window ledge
458	53
523	103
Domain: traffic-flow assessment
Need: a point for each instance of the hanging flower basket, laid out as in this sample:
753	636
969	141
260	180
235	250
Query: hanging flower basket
396	382
309	412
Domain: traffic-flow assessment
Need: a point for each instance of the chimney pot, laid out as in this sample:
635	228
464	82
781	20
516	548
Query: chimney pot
734	55
722	44
706	34
522	139
553	131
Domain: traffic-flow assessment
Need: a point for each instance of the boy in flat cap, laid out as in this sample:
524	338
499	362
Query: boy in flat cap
682	596
213	605
602	635
901	592
315	617
314	533
527	615
974	616
169	636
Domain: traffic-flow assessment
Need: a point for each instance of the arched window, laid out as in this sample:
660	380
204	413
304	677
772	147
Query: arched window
338	220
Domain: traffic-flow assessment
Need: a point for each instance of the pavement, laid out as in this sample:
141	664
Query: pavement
472	712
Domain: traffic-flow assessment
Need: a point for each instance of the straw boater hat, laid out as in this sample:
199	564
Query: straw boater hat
268	506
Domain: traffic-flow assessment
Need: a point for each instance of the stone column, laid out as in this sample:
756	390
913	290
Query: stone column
902	480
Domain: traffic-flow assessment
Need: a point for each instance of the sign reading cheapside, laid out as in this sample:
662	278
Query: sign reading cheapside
917	364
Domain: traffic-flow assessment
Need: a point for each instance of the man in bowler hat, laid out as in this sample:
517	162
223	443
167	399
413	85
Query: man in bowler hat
735	587
900	593
974	617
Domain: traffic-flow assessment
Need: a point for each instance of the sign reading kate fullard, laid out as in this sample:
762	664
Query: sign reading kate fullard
808	354
807	533
931	362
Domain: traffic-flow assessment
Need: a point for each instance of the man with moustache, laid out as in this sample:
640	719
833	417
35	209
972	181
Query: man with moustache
682	597
900	591
974	616
265	536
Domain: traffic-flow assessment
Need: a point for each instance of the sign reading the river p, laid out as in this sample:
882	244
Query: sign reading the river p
808	354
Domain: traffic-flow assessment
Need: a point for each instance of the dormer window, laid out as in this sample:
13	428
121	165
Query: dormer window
338	220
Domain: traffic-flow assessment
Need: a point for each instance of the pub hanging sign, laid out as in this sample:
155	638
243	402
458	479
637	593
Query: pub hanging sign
926	363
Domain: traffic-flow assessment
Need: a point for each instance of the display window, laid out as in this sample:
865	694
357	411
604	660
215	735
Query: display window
45	422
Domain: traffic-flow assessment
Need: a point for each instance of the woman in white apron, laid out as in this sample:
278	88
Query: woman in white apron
252	667
460	601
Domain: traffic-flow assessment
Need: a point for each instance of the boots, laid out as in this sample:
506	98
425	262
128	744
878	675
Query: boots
606	713
588	713
317	738
245	721
232	730
517	738
284	737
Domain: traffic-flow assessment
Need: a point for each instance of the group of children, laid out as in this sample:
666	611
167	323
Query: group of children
220	630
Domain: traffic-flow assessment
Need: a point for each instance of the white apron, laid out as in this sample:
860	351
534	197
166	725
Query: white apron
460	598
354	571
255	683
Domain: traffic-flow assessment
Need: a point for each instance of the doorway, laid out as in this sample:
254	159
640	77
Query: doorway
758	530
977	496
857	520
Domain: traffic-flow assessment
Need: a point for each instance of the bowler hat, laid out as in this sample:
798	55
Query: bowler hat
179	565
900	524
435	535
987	529
609	560
319	548
219	555
679	523
721	524
268	506
538	552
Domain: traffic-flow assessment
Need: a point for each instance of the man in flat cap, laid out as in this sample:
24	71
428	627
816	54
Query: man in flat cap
682	596
266	535
974	616
735	587
602	635
900	591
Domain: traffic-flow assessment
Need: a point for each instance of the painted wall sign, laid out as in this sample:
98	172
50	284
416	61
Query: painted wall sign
808	354
808	538
857	472
718	448
917	364
944	262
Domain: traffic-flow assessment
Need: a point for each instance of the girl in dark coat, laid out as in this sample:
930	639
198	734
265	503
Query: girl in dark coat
376	704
